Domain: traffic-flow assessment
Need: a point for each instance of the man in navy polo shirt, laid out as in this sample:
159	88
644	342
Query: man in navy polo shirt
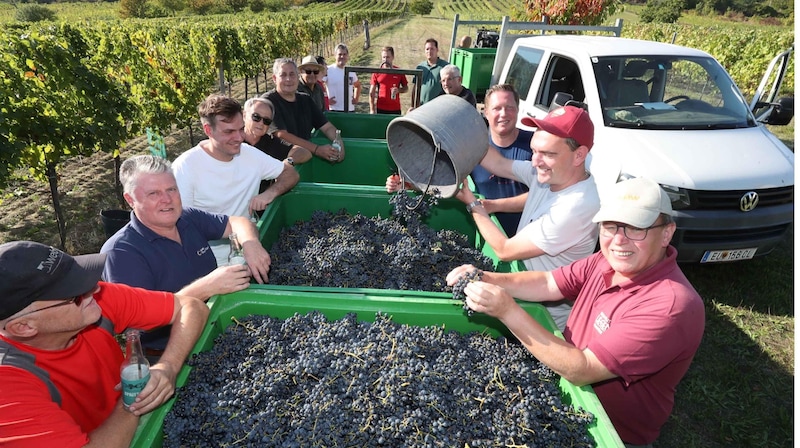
165	247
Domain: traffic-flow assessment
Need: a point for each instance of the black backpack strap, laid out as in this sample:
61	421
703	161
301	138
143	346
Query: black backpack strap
106	324
12	356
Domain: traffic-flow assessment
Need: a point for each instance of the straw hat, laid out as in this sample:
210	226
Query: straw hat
310	62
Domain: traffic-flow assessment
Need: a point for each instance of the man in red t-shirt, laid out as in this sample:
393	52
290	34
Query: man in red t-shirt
59	360
385	88
636	322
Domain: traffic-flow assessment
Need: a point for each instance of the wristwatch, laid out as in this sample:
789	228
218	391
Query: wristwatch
473	204
290	161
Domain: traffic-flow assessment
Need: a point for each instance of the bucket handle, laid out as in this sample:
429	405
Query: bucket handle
430	178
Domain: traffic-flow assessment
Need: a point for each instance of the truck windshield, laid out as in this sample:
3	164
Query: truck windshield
667	92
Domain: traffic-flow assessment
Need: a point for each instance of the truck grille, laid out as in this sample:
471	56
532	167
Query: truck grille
727	236
705	200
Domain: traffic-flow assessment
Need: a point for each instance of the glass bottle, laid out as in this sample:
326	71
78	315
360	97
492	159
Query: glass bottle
236	256
394	91
337	141
135	369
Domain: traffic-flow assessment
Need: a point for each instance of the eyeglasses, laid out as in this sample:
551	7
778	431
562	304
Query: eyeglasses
609	229
77	300
308	72
257	118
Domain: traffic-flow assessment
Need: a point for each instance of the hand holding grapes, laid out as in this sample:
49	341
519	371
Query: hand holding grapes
489	299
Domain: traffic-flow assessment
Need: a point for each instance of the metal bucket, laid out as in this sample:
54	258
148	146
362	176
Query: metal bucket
436	145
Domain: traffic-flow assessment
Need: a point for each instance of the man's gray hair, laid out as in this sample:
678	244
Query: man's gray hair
132	168
251	103
280	62
451	69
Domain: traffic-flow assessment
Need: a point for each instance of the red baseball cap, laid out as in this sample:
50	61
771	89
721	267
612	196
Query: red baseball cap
566	122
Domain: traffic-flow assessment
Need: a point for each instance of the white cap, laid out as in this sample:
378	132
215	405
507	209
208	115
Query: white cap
636	202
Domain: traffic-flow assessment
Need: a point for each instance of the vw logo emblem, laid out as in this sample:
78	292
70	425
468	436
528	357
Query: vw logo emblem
749	201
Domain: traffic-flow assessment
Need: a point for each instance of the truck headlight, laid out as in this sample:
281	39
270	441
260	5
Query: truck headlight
678	196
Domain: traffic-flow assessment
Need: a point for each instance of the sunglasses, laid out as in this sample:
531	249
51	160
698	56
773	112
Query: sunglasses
257	118
77	300
308	72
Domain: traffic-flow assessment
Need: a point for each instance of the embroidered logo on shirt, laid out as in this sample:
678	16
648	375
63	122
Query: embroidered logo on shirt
202	251
602	323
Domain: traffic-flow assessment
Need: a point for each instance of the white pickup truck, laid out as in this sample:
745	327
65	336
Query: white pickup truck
672	114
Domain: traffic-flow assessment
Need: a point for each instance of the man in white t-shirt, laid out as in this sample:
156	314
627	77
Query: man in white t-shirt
335	82
222	174
556	226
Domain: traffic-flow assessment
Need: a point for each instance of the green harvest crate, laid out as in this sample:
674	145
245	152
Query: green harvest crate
305	198
476	67
359	125
366	162
417	311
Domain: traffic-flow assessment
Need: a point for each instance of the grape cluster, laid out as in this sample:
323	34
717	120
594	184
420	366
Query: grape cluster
309	382
462	282
412	209
355	251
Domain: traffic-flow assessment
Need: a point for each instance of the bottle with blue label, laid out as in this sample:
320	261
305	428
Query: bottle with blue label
135	369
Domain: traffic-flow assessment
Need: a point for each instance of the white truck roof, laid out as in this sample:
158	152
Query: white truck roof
607	46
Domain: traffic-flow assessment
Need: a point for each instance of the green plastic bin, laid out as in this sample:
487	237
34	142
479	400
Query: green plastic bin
413	309
301	202
366	162
359	125
476	67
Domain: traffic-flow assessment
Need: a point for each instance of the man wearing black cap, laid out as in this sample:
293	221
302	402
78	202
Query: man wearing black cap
59	360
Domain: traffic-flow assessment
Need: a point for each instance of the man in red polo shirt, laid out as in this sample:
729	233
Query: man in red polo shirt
636	322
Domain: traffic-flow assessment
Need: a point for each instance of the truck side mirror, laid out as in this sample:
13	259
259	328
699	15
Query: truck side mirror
782	112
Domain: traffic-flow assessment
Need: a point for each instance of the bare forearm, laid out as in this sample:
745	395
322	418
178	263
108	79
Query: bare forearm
300	154
116	431
531	286
295	140
490	232
518	247
283	183
202	288
514	204
495	163
244	229
186	328
329	130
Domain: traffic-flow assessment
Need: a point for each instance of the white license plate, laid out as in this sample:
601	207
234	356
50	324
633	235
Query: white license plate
712	256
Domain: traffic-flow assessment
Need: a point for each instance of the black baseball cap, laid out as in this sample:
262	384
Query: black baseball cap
31	271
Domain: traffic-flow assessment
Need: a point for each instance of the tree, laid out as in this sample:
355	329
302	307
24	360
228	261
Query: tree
56	105
570	12
34	13
132	8
237	5
662	11
421	7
